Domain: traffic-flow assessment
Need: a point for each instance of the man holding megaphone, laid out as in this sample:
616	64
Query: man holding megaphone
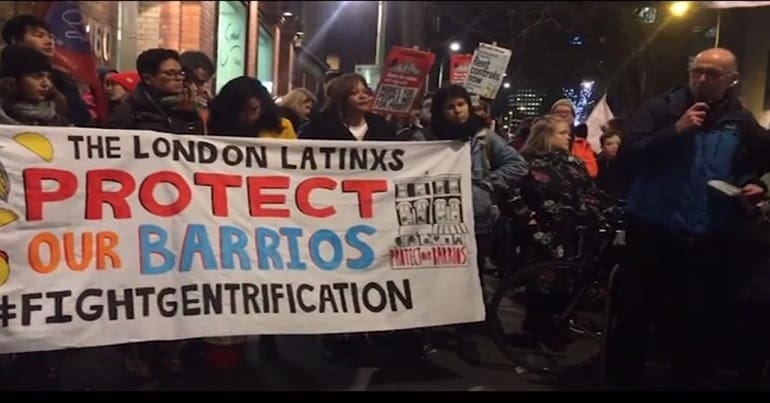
681	254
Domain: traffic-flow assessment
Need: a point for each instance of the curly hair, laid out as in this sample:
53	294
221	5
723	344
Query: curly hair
226	107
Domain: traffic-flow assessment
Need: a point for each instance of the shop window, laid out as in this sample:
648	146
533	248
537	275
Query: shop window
231	41
265	54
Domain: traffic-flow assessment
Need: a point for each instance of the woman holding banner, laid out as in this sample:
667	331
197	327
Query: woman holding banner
347	114
495	169
244	108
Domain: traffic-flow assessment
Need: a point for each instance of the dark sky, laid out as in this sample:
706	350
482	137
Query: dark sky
555	44
351	28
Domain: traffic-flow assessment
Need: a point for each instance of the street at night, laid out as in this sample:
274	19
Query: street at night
384	195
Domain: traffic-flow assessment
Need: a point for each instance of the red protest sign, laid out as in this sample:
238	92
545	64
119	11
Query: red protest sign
402	79
459	66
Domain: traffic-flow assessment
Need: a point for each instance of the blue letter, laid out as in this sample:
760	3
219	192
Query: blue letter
292	234
265	250
196	240
315	252
147	248
233	240
367	254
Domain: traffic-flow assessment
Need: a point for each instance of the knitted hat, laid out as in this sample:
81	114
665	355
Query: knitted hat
21	60
564	101
127	79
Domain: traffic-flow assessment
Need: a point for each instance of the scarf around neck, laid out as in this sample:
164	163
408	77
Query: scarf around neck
464	131
21	113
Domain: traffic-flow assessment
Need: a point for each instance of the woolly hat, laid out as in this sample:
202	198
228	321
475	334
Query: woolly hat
21	60
127	79
564	101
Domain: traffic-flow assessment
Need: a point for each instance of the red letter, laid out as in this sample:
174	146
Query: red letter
257	199
365	188
218	184
34	196
303	197
96	195
147	194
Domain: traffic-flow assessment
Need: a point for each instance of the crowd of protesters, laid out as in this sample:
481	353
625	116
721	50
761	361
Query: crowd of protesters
683	248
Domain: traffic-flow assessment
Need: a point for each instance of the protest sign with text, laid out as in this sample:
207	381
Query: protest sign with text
459	66
402	79
487	70
120	236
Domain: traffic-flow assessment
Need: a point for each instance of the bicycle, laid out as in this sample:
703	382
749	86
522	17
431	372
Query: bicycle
583	282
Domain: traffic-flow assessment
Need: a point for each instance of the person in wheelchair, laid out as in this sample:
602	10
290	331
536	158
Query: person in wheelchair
562	197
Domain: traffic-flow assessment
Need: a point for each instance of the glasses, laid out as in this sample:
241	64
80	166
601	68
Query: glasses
710	74
173	73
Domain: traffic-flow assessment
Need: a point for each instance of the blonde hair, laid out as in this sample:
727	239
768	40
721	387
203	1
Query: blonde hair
296	98
539	139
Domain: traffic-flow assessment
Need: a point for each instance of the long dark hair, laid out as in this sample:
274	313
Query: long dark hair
226	108
445	129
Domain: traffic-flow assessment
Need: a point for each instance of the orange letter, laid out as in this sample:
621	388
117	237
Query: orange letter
105	242
33	253
87	249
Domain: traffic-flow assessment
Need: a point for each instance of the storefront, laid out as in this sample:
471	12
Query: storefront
232	29
265	54
102	40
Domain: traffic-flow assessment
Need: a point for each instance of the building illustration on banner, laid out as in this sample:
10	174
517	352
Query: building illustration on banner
432	229
406	67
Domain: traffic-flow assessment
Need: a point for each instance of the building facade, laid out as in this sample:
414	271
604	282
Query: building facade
242	37
525	102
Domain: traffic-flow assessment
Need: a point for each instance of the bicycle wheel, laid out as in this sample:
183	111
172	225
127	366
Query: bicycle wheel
582	319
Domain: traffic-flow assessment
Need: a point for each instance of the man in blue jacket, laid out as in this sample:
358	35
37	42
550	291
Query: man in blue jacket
679	256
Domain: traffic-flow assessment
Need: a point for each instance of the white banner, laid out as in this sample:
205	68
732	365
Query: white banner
733	4
487	70
600	116
122	236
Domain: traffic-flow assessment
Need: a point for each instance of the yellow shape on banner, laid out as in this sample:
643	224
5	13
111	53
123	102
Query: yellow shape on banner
37	143
5	184
5	268
7	217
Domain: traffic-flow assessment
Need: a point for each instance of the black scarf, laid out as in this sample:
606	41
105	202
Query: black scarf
463	132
